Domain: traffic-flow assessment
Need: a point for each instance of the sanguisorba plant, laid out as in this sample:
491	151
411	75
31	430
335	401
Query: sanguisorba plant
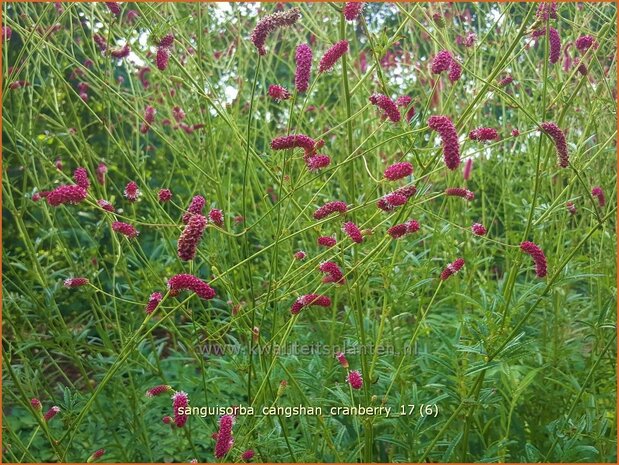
307	209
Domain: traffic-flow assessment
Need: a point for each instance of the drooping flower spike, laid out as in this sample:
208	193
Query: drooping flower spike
294	141
484	134
105	205
191	237
190	282
391	201
398	171
451	148
270	23
125	229
158	390
400	230
66	194
309	300
335	206
388	106
538	257
452	269
51	413
327	241
75	282
459	192
352	231
332	55
303	57
558	138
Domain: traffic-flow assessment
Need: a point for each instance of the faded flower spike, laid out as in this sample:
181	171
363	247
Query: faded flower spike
309	300
158	390
277	92
335	206
401	230
459	192
334	274
478	229
398	171
352	231
538	257
132	193
599	193
96	455
388	106
191	237
451	148
452	268
270	23
190	282
303	57
558	138
224	436
332	55
351	10
153	302
125	229
327	241
75	282
51	413
354	379
484	134
180	400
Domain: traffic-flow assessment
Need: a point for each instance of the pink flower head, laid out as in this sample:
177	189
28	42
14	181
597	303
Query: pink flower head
354	379
277	92
515	132
309	300
303	57
335	206
332	55
180	400
460	192
342	359
351	10
441	62
190	282
455	70
191	237
401	230
546	11
224	436
178	113
478	229
317	162
51	413
75	282
270	23
121	52
132	193
294	141
327	241
167	419
125	229
58	164
451	148
107	206
114	8
583	43
80	176
599	193
164	195
195	207
538	257
247	455
554	41
352	231
167	40
158	390
36	404
7	32
406	191
558	138
388	106
162	58
132	15
100	41
300	255
216	216
468	167
66	194
484	134
570	207
18	85
405	102
153	302
149	114
506	80
334	274
452	268
96	455
398	171
390	201
101	172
